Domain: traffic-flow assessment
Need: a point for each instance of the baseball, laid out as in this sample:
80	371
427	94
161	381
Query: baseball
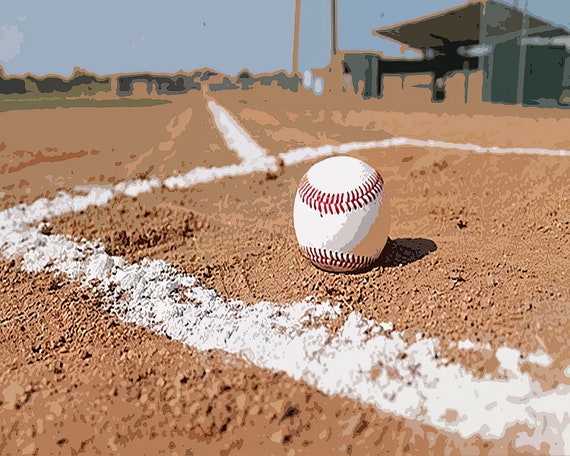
341	214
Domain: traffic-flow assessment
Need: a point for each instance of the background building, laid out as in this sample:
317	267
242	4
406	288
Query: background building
510	55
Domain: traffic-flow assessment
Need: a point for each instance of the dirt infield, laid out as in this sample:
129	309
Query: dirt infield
463	262
478	259
45	151
281	120
77	380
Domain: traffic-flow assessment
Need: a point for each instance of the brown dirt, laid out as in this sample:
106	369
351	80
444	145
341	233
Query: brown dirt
282	120
48	150
75	380
482	241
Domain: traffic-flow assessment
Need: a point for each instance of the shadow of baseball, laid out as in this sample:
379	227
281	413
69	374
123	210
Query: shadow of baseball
403	251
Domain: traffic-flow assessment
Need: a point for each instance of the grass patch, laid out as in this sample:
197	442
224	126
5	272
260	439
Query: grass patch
14	104
242	101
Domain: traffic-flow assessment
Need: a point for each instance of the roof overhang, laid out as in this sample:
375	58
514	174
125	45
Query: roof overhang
460	26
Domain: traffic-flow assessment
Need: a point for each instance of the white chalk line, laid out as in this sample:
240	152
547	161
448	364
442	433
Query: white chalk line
237	139
309	153
274	337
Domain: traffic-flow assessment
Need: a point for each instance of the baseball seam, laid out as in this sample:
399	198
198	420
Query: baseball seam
338	260
338	203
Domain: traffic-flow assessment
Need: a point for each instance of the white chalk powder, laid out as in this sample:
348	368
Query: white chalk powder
277	337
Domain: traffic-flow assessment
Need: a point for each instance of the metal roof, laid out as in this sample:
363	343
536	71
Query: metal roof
460	26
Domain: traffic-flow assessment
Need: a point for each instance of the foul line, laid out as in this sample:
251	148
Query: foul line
276	337
309	153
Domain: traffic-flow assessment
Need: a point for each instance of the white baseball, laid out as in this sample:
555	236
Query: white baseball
341	214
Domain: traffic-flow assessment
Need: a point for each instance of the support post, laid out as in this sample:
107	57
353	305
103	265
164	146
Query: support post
295	65
522	53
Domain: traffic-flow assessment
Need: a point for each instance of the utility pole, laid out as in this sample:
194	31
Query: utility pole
334	27
334	76
295	66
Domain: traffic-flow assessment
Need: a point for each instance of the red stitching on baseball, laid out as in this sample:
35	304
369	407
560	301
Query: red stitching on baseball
336	203
337	260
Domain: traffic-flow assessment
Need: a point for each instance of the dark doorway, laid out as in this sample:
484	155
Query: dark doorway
543	75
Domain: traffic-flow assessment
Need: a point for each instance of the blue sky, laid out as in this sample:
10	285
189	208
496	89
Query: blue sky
111	36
